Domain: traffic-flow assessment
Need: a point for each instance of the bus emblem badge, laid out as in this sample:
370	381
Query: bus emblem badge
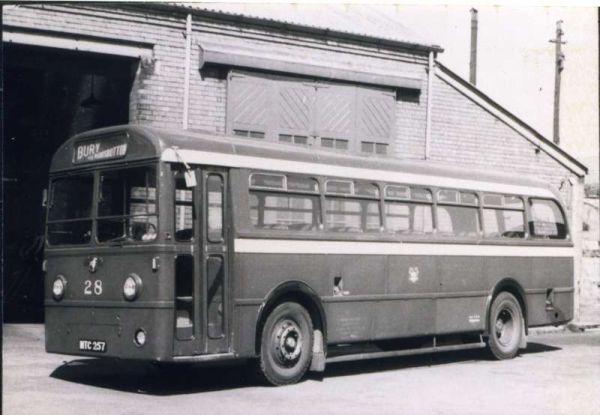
93	265
413	274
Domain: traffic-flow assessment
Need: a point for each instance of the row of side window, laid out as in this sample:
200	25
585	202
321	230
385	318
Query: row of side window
293	203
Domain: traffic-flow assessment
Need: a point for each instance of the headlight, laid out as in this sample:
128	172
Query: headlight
140	337
58	287
132	287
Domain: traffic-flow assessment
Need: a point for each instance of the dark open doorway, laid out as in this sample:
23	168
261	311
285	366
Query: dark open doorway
49	95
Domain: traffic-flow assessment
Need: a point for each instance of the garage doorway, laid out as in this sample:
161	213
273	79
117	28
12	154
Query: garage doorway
49	95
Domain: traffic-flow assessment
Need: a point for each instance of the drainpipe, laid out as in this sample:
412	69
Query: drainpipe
430	73
186	79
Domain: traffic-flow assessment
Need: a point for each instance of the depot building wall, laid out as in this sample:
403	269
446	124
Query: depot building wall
462	131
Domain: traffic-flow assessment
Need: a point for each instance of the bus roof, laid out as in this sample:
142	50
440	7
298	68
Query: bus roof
113	145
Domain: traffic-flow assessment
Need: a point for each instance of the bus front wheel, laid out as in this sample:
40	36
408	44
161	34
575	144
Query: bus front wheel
506	326
286	344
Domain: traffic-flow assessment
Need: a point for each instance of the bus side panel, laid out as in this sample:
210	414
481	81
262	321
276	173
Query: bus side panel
410	309
244	324
550	274
349	314
463	292
255	275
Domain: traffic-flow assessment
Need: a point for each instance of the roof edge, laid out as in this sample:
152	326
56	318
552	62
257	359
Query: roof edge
464	83
234	17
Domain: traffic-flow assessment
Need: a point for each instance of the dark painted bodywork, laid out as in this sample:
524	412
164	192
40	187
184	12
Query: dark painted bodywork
453	293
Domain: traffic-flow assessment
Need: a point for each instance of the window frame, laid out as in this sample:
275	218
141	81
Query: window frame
523	211
356	197
316	194
408	201
98	191
532	236
93	209
476	207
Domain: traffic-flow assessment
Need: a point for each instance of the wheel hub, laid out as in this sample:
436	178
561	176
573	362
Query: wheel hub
504	327
289	341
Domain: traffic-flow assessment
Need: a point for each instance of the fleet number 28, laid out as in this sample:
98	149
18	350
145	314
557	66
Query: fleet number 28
92	287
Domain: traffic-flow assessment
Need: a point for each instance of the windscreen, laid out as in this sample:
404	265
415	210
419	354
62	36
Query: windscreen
127	205
70	210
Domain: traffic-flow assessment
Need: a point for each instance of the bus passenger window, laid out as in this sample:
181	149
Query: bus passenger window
453	217
547	220
342	215
503	223
412	218
214	192
184	209
397	217
503	216
373	221
458	221
283	211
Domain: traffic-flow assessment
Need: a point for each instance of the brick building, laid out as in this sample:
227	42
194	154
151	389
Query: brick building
72	67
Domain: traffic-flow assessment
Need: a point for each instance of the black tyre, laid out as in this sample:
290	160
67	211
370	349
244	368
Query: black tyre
506	326
286	344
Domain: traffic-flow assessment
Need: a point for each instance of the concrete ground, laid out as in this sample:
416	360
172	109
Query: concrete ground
559	373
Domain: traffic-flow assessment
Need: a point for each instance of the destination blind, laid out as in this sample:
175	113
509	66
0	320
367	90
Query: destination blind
106	148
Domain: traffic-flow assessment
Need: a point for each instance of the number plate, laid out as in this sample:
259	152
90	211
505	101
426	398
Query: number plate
92	346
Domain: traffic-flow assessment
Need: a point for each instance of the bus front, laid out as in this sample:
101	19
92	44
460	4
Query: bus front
103	291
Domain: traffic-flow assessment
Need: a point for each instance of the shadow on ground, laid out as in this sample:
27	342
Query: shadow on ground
148	378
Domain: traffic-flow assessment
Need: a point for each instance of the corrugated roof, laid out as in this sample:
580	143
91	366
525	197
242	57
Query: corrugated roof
356	19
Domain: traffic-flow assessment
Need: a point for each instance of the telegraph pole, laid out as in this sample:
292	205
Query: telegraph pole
473	60
559	66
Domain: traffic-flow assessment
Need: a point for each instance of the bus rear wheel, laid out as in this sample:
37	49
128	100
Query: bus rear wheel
506	326
286	344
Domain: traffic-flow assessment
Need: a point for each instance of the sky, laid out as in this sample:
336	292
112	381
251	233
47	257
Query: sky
515	58
516	63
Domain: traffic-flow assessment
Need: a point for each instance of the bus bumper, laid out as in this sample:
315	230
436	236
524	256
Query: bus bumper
110	332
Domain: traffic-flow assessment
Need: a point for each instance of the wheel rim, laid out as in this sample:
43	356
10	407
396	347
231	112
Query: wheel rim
505	327
287	343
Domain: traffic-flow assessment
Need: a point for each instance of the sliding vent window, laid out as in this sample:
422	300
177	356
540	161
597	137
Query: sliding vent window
458	214
184	209
408	210
127	205
70	210
503	216
547	220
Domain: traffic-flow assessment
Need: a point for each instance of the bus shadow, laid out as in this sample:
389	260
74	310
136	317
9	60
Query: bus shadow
424	360
147	378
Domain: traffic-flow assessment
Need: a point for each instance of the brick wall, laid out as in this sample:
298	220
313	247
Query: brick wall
466	134
157	94
463	133
411	112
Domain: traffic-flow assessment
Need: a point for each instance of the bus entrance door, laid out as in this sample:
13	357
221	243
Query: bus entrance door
215	254
201	268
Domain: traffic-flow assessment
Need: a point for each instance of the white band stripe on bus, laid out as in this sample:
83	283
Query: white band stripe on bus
270	164
290	246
